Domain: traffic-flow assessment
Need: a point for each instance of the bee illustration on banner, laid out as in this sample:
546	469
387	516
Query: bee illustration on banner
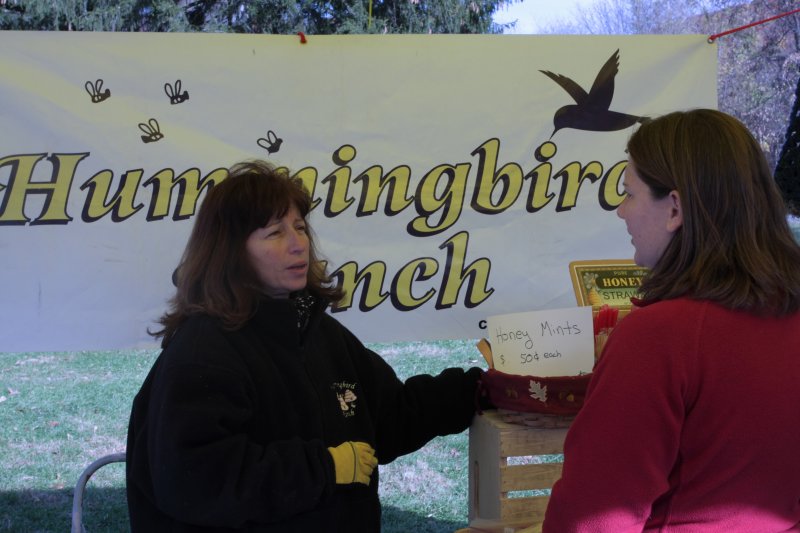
152	131
272	143
174	93
94	90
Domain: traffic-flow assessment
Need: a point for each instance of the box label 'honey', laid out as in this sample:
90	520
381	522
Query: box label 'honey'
611	282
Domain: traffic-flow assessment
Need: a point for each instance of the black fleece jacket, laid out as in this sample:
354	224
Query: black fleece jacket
230	430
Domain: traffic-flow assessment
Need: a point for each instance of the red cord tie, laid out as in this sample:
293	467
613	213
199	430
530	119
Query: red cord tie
714	37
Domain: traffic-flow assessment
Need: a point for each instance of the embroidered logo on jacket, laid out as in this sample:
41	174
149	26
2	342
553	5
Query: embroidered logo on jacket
345	394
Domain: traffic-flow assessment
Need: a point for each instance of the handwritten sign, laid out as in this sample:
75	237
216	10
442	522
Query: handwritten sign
555	342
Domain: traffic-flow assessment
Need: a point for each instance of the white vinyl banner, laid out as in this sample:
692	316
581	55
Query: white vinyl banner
454	177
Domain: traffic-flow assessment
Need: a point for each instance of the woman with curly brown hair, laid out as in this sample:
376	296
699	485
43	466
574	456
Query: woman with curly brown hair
262	412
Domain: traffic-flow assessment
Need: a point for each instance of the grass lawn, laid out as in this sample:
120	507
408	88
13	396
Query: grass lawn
60	411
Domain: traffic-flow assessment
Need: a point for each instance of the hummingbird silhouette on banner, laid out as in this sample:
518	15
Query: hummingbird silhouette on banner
591	111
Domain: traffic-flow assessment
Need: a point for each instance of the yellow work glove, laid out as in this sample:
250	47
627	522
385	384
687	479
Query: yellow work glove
354	462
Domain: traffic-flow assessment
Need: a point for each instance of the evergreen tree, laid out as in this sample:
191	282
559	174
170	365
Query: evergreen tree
92	15
257	16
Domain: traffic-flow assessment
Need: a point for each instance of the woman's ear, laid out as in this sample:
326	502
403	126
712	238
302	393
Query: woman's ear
675	217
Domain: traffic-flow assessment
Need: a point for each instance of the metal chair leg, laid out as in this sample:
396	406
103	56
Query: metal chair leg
80	487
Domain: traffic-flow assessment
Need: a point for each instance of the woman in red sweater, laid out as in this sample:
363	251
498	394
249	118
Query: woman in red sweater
692	418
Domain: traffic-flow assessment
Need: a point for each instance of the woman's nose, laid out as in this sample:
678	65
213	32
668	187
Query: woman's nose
621	209
297	241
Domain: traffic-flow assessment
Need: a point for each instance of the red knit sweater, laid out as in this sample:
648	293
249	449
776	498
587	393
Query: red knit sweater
691	424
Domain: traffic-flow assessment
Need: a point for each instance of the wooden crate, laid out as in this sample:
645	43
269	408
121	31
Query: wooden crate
504	458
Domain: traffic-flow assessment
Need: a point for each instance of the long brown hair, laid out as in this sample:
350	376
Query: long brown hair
215	276
735	246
